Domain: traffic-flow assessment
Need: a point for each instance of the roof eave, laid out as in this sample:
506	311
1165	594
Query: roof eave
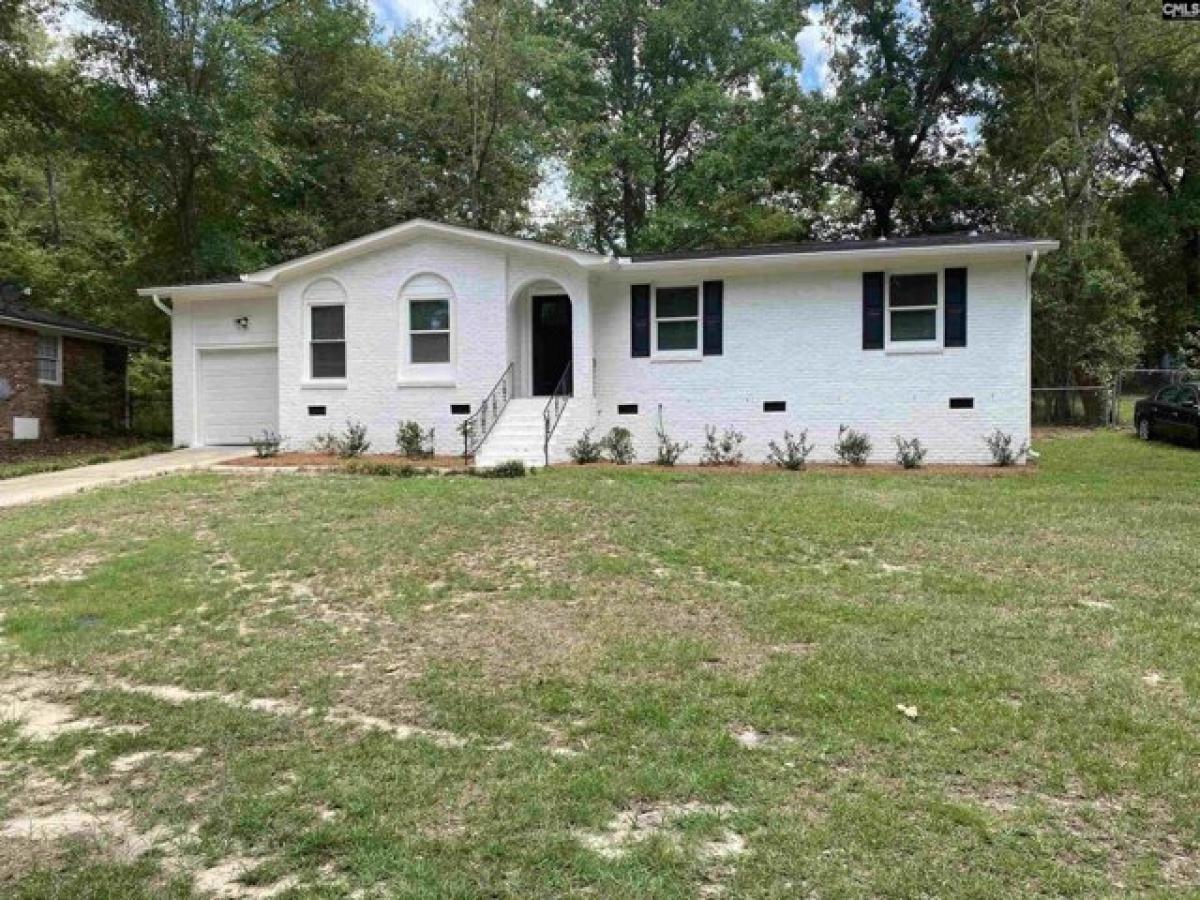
368	243
231	290
71	331
823	259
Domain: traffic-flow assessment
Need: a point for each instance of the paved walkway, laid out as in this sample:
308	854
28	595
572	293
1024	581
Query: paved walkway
30	488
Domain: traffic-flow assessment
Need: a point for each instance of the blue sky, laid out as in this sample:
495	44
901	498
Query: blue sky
395	14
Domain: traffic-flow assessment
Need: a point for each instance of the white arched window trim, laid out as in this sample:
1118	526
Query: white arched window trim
325	297
422	331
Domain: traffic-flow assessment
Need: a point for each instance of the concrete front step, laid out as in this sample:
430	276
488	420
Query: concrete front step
518	435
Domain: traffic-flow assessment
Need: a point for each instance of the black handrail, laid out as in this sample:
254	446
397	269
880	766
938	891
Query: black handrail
554	408
477	427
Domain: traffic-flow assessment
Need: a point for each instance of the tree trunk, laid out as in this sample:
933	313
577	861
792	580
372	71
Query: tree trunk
1191	272
52	200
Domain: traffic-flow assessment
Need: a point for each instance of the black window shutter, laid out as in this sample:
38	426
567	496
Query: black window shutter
872	311
639	296
714	313
956	308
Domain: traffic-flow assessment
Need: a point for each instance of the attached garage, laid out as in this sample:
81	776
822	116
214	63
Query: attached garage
238	395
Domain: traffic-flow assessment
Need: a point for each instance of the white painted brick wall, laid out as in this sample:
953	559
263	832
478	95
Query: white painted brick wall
788	336
798	338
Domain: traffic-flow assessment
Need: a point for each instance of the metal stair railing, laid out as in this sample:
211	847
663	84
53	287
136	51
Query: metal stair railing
554	409
478	426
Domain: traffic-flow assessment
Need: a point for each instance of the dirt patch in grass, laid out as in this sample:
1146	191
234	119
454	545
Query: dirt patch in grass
1096	820
645	821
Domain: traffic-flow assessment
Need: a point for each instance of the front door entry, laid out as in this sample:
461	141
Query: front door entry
551	342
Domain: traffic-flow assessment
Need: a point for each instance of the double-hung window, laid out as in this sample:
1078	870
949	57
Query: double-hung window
327	341
914	310
428	331
677	321
49	359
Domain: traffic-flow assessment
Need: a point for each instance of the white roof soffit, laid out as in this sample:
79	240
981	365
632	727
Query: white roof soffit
834	259
416	228
221	290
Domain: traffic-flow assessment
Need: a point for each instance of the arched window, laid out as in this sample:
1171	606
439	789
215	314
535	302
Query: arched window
426	329
325	330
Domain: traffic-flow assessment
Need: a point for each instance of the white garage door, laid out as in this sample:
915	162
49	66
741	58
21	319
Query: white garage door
238	395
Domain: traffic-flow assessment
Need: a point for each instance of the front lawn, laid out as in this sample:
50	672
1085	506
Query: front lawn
19	458
612	683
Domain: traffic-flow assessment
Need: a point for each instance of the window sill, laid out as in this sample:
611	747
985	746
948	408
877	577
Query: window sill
332	384
49	383
900	350
425	383
685	358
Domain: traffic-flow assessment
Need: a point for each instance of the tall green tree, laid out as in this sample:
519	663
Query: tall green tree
1159	115
907	72
178	111
1061	86
641	90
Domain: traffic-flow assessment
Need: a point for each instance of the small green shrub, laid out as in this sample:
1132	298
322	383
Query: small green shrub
852	447
585	450
266	444
353	443
910	454
723	451
1001	445
669	451
793	454
618	445
512	468
350	444
325	442
414	442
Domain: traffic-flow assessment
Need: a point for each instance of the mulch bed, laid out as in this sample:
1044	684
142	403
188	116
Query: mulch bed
823	468
50	448
309	460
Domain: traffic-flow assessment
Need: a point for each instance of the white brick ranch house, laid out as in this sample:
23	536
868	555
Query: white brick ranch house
925	337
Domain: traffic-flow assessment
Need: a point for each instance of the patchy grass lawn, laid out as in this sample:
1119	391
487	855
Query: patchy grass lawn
19	458
609	683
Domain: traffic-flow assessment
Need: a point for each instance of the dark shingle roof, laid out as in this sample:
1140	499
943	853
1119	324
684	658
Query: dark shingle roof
932	240
12	310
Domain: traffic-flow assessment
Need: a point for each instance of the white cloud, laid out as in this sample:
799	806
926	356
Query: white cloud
815	43
395	14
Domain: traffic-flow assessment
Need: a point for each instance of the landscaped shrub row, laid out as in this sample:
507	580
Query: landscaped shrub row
852	447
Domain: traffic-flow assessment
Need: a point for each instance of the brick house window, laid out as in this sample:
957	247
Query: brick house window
49	359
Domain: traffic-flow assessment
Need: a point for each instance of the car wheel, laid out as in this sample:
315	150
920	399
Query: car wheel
1143	429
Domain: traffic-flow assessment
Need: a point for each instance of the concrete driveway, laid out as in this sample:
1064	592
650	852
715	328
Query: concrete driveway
31	488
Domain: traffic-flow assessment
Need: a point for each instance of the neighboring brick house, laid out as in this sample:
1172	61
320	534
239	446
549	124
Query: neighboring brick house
461	330
39	353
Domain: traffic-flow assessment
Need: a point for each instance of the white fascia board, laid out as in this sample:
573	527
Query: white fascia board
412	229
833	259
231	290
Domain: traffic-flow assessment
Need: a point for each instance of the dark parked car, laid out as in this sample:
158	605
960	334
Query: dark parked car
1173	413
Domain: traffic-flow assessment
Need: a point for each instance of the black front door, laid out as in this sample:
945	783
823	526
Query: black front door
551	342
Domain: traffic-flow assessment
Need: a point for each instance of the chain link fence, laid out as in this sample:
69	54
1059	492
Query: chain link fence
1081	407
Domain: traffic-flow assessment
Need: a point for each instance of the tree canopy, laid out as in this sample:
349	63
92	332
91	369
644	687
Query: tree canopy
160	140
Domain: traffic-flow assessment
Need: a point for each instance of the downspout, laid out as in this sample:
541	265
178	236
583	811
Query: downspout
1031	262
157	301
